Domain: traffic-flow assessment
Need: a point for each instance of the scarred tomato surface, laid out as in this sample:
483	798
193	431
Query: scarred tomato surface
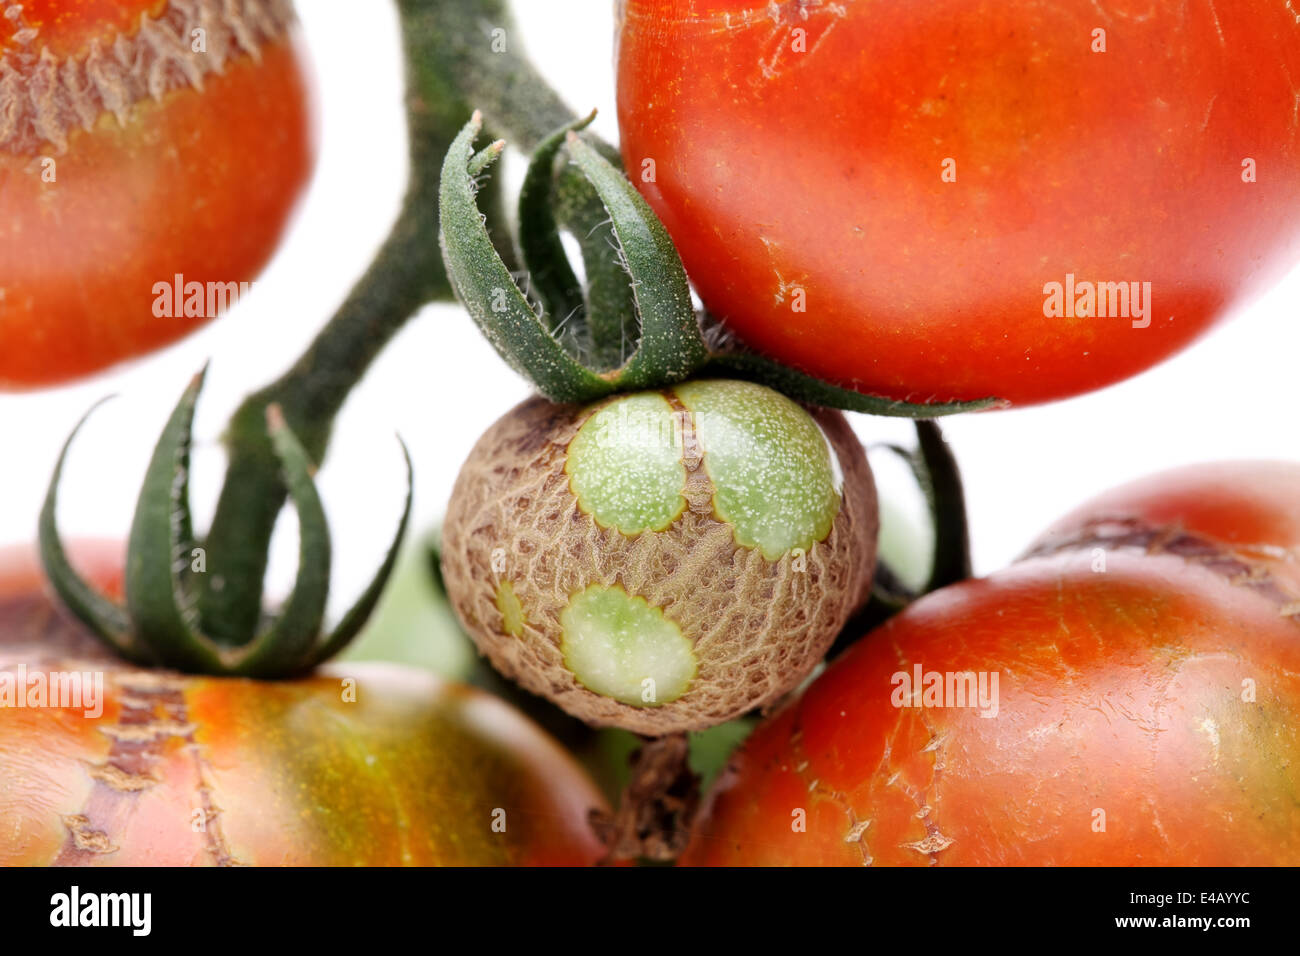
1146	709
358	764
884	193
143	144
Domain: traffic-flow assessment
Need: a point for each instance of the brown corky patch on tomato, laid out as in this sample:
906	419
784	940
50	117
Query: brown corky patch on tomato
85	837
143	733
114	777
1239	566
43	97
152	714
757	626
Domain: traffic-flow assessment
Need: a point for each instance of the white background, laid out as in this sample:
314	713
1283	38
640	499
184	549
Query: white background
1236	394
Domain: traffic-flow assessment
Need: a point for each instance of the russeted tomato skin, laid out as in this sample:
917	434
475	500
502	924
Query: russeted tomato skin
665	560
181	770
802	156
1148	655
183	170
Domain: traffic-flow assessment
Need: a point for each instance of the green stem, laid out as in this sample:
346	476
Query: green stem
454	63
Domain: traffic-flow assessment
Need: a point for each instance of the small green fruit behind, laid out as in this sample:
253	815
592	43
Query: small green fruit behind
662	561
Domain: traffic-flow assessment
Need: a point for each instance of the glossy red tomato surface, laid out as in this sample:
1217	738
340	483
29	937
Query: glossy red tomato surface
1147	708
880	193
129	158
358	764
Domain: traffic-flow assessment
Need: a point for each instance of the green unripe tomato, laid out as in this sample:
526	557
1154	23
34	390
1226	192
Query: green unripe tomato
661	561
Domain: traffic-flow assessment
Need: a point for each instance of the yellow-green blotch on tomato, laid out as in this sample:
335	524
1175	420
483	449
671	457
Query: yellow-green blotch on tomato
661	561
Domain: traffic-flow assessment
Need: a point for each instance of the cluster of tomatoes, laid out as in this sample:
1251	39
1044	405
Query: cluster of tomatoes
884	196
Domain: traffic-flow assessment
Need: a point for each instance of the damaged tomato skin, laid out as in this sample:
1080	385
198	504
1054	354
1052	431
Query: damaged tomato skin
198	183
1125	674
821	172
181	771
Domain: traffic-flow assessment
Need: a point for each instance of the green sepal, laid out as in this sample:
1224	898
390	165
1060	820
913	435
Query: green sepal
489	293
285	647
805	388
671	346
160	609
355	619
611	322
106	619
600	321
552	282
159	622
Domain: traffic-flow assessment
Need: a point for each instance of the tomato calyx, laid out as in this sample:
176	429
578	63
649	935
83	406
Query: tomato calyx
573	343
159	623
671	345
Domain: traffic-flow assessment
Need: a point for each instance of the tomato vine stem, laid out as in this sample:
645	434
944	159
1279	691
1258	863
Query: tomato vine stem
454	58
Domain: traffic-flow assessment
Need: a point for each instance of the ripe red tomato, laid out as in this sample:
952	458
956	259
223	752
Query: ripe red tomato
183	770
913	176
1146	710
115	179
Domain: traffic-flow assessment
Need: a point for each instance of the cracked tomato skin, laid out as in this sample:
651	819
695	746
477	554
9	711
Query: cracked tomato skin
180	771
1129	645
779	172
196	181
